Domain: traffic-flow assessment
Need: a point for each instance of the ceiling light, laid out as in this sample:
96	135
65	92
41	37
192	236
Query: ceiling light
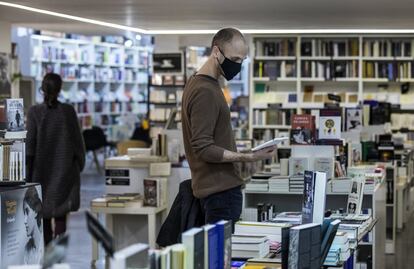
75	18
138	37
128	43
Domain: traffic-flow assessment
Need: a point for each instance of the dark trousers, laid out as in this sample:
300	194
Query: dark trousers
60	228
225	205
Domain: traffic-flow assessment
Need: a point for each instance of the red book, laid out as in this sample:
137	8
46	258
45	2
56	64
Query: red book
303	130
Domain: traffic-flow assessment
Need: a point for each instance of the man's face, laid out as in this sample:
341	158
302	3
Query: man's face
235	51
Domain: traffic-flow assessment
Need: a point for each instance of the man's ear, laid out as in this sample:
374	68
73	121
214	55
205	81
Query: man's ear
216	52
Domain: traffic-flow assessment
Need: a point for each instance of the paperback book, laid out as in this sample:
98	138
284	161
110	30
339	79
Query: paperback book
303	130
15	115
355	196
297	166
330	124
353	119
314	194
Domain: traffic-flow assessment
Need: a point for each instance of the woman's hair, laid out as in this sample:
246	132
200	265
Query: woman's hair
51	86
32	199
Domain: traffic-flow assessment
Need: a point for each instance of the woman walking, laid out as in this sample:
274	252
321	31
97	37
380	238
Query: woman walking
55	156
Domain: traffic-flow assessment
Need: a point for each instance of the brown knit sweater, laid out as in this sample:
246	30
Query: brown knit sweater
207	133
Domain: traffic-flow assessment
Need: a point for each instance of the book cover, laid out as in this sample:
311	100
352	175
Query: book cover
355	195
353	119
314	195
324	165
308	197
305	247
211	259
328	236
330	124
178	252
285	247
15	115
224	244
297	166
303	130
150	192
193	240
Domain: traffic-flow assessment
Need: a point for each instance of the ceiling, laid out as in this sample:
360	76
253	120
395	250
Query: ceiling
215	14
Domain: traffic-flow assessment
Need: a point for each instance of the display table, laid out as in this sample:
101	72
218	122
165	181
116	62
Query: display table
21	235
128	226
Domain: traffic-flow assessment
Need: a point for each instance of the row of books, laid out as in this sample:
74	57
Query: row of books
160	114
63	54
107	107
275	69
160	96
388	70
118	200
169	80
330	70
321	47
272	116
388	48
12	161
311	96
206	247
276	47
401	120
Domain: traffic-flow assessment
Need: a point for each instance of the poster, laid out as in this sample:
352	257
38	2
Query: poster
21	234
5	82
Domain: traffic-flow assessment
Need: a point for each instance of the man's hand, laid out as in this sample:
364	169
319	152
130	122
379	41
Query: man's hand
266	153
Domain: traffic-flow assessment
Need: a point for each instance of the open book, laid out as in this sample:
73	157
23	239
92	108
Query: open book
270	143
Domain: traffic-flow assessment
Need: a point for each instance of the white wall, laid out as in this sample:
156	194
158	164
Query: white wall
5	37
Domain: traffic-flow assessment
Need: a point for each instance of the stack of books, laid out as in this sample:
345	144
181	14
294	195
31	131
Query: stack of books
293	218
355	226
118	200
296	184
258	185
279	184
249	246
339	251
273	231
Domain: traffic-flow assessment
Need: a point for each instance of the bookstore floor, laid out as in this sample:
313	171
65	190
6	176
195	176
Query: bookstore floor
79	253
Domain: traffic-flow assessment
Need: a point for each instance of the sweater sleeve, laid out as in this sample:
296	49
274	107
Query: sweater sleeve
30	143
79	145
203	112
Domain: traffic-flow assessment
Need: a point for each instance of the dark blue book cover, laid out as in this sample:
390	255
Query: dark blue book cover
213	258
224	244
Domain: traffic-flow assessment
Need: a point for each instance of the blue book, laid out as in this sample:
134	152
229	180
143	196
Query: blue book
308	198
211	259
224	244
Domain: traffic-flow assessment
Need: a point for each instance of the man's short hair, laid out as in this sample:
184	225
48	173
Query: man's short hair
226	35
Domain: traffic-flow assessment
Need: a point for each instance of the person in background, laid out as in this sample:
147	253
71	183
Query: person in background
208	137
141	133
55	155
32	212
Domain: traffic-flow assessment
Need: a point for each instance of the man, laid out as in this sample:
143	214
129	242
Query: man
208	137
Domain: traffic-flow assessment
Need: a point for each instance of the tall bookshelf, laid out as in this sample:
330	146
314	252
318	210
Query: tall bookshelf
106	83
296	73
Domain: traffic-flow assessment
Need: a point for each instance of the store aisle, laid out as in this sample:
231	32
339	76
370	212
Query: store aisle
80	252
404	254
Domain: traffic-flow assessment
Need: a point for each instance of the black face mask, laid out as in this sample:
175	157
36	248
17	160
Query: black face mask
229	67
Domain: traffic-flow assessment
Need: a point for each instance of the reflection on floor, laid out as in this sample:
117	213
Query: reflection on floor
79	253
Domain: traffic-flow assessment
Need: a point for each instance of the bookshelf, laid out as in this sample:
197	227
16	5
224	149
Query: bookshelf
298	71
103	81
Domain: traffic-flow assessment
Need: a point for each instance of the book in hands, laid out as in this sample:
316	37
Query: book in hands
270	143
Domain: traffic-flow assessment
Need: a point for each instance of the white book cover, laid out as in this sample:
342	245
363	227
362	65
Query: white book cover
1	162
329	127
319	197
325	165
297	166
355	196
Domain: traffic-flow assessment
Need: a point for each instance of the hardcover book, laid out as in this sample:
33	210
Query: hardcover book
211	260
297	166
193	240
353	119
15	115
314	194
330	124
355	195
303	130
155	190
305	247
224	228
325	165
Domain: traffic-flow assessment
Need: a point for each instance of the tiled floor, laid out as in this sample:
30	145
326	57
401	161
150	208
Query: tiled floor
79	253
